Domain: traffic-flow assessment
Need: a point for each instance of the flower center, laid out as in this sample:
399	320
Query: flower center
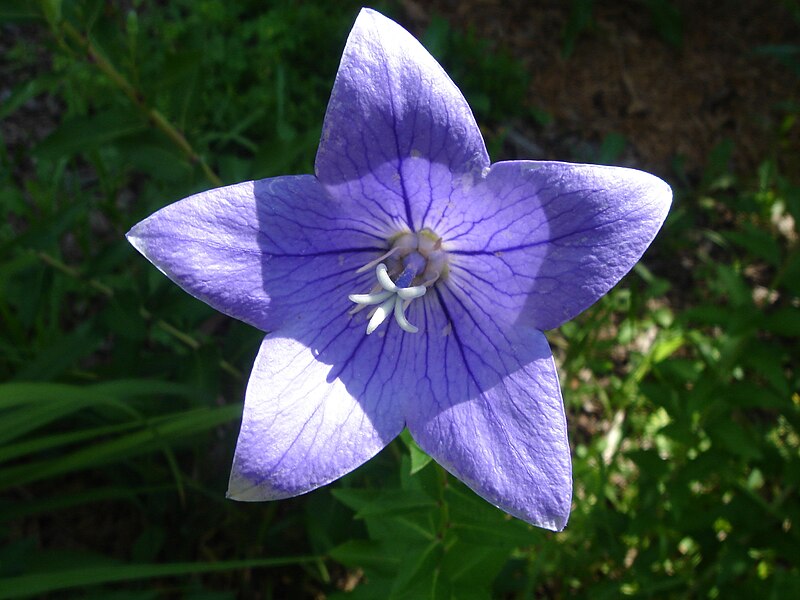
414	262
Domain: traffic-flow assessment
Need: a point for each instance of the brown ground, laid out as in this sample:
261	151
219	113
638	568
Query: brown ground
623	77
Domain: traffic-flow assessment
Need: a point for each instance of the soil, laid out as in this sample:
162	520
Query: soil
670	101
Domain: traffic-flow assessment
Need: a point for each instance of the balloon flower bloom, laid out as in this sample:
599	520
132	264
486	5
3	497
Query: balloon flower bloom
406	283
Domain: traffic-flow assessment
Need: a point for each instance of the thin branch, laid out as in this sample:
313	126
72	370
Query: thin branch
152	114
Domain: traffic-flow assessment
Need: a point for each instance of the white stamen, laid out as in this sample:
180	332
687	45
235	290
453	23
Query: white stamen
383	278
410	293
374	298
400	306
380	314
417	257
391	299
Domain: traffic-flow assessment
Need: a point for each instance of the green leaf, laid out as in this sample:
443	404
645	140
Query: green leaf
355	499
367	554
666	346
475	521
151	155
154	435
18	10
148	545
791	270
611	149
23	93
419	459
469	569
130	388
766	360
581	18
396	502
29	406
758	242
736	439
41	443
60	354
45	403
667	20
52	11
503	533
401	530
80	134
784	322
42	583
748	394
60	502
416	577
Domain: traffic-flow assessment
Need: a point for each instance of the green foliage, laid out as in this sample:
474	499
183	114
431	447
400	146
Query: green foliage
429	537
26	586
580	20
665	18
700	457
494	83
120	394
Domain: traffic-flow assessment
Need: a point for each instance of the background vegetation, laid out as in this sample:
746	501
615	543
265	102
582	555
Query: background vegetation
120	394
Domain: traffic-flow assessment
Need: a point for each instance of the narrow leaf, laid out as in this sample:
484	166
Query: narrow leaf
41	583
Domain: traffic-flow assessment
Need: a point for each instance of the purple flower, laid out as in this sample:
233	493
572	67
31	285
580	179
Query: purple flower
452	264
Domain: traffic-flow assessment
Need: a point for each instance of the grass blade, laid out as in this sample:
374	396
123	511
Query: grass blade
42	583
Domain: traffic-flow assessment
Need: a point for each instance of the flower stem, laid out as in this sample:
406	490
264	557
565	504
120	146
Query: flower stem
444	509
53	262
152	114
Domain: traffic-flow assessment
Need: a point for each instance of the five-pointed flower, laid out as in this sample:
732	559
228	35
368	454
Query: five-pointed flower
407	284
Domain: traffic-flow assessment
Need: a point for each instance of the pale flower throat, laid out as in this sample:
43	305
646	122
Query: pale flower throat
414	262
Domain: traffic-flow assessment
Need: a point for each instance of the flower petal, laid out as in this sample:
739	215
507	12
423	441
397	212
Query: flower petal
396	126
543	241
489	410
259	251
322	399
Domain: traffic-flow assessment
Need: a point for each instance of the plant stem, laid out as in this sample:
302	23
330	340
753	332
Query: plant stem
152	114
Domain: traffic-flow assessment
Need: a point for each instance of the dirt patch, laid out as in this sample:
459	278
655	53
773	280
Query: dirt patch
669	101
